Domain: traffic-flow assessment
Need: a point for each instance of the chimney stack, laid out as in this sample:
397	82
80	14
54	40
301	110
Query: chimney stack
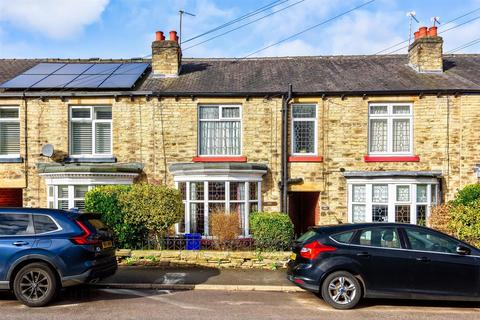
425	53
166	55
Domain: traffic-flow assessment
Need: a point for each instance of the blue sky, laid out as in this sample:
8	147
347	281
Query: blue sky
125	28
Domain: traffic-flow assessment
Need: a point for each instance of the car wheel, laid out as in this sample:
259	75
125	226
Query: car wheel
341	290
35	285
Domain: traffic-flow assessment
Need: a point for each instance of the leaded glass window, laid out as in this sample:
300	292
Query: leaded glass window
304	122
403	193
380	193
402	214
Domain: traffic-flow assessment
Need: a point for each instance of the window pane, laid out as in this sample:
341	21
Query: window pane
80	191
402	214
220	137
403	193
43	224
81	113
196	191
9	138
379	237
15	224
182	187
379	213
358	213
378	135
433	196
421	193
237	190
401	109
103	138
425	240
253	191
208	112
358	191
239	210
103	113
79	204
378	109
422	215
63	204
253	207
181	224
303	136
401	135
216	208
231	112
343	237
304	111
63	191
9	113
216	190
197	214
81	138
380	193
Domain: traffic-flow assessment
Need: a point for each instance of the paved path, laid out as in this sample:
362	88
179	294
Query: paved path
121	304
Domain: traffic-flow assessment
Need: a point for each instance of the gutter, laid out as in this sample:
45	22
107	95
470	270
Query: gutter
284	171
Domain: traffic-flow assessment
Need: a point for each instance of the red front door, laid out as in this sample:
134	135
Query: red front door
11	198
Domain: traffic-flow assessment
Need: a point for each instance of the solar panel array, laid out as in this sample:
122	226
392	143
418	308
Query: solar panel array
79	76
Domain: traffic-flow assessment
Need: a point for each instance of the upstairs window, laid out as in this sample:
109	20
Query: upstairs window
90	131
390	129
304	129
9	132
219	130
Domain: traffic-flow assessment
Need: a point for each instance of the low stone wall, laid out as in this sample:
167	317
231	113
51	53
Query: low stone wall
214	259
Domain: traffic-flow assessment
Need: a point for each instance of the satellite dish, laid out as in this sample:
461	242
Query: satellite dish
47	150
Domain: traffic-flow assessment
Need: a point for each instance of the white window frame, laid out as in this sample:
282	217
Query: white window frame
6	120
94	122
315	121
246	201
52	199
392	199
220	119
389	116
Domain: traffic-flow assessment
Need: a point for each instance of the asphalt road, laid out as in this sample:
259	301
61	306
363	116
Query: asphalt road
152	304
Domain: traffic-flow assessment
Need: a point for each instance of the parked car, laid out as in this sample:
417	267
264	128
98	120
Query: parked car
43	250
344	263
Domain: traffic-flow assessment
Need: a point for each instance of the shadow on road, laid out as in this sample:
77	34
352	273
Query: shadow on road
367	303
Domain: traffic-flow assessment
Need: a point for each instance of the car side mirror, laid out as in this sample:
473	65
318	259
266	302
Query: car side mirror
463	250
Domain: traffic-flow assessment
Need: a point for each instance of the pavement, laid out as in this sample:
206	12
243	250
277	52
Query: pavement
95	303
193	278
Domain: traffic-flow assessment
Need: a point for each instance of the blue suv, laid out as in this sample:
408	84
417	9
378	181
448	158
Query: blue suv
43	250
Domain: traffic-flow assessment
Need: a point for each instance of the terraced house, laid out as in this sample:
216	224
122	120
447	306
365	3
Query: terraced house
354	138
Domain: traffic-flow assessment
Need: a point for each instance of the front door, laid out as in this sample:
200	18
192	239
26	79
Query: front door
436	267
303	206
10	197
16	235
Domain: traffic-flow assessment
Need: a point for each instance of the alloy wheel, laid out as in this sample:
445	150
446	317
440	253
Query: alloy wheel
34	285
342	290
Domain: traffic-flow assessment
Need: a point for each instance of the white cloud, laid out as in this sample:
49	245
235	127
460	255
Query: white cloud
57	19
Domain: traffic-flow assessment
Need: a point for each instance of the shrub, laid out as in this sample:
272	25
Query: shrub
465	222
156	207
225	228
468	195
105	201
271	230
440	218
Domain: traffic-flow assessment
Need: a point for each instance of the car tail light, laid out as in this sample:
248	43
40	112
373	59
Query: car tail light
85	237
313	249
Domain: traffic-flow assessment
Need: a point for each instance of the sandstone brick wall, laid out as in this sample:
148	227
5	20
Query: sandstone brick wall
425	54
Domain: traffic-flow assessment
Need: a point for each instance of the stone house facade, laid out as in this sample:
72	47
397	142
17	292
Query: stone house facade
368	138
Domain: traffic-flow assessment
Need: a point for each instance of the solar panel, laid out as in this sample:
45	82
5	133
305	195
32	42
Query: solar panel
79	75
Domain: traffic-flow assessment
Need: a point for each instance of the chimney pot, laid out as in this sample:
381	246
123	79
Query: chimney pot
432	31
416	34
422	32
159	36
173	36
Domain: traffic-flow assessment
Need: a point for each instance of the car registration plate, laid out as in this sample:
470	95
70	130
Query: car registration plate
293	256
106	244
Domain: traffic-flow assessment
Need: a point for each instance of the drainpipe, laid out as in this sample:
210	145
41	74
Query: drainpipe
284	173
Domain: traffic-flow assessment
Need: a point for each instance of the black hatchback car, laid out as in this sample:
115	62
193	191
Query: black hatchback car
384	260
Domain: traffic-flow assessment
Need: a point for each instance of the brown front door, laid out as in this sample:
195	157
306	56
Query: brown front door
302	209
11	198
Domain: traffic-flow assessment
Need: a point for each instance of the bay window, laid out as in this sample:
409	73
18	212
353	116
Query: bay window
390	129
219	130
304	129
90	131
65	197
9	132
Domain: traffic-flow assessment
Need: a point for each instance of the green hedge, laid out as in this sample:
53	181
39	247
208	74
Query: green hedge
468	195
105	200
271	230
465	222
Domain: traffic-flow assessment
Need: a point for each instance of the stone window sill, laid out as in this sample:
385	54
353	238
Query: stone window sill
305	159
220	159
391	158
11	160
90	160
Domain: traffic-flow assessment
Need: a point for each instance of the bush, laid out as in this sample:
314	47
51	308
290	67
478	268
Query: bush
105	201
271	230
468	195
440	218
465	222
156	207
225	228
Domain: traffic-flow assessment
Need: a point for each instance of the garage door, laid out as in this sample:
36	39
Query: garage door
11	198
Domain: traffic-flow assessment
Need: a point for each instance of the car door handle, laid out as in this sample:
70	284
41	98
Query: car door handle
363	254
423	259
20	243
